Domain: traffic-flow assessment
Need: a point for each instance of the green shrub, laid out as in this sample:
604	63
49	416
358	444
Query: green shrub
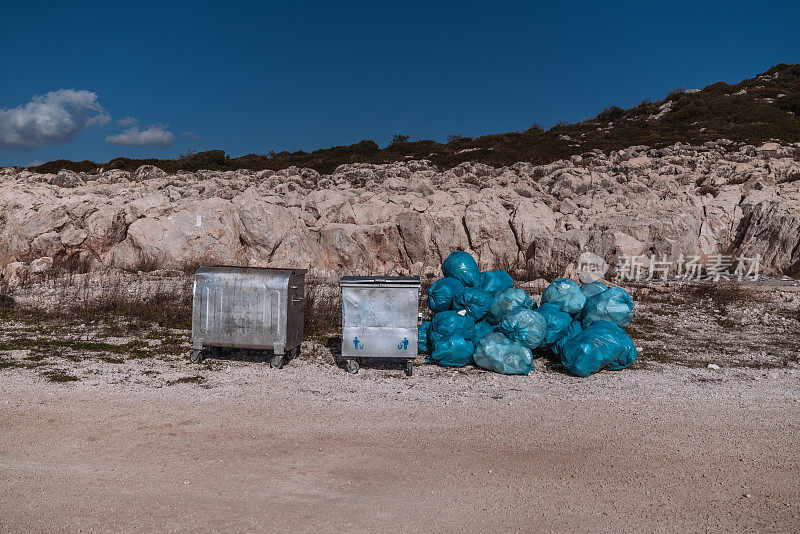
611	114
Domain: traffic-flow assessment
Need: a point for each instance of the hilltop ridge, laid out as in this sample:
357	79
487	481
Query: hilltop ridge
753	111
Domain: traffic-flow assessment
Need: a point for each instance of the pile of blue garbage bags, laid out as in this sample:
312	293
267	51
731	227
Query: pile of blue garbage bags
480	318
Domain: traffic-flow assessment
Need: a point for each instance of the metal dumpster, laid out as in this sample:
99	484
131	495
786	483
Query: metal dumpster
379	319
248	308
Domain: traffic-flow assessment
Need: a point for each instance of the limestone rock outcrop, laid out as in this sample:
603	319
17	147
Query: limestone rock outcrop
718	198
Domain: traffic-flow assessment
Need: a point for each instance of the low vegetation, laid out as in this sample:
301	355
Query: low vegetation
72	318
197	379
59	375
322	310
93	297
111	304
753	111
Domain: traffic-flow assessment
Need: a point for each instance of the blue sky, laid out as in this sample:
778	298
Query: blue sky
147	79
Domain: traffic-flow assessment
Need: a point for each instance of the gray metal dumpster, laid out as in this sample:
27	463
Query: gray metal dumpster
248	308
379	319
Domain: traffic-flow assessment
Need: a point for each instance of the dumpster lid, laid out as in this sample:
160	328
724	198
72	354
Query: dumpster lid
246	270
367	280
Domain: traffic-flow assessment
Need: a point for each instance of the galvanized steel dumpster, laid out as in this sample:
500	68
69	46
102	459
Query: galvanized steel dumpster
248	308
379	319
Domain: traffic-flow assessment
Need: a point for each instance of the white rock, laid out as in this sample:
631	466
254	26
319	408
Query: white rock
390	217
40	265
15	273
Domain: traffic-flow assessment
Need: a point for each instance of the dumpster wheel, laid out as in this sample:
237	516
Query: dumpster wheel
409	367
351	366
196	356
277	361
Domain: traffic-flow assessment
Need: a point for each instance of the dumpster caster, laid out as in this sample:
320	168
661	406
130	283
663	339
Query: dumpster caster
351	366
277	361
196	356
409	367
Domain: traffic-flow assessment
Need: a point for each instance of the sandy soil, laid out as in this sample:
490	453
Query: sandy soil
298	450
107	430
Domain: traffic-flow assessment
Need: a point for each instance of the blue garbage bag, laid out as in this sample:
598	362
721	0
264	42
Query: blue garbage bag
593	288
557	323
509	301
614	305
601	345
452	351
475	300
442	292
566	294
525	326
574	328
497	353
450	322
462	266
482	328
496	281
422	336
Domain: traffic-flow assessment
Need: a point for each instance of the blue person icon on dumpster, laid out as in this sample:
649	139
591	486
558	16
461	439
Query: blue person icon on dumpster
357	344
403	345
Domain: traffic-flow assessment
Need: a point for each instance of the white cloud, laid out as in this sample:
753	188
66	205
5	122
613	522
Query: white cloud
153	136
53	118
190	134
127	121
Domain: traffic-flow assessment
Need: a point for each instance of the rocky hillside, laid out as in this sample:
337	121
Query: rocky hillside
719	197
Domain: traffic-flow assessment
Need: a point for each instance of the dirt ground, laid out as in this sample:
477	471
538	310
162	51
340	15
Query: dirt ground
107	430
660	451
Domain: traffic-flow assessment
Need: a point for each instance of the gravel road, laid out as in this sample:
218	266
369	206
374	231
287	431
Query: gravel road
311	449
106	427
